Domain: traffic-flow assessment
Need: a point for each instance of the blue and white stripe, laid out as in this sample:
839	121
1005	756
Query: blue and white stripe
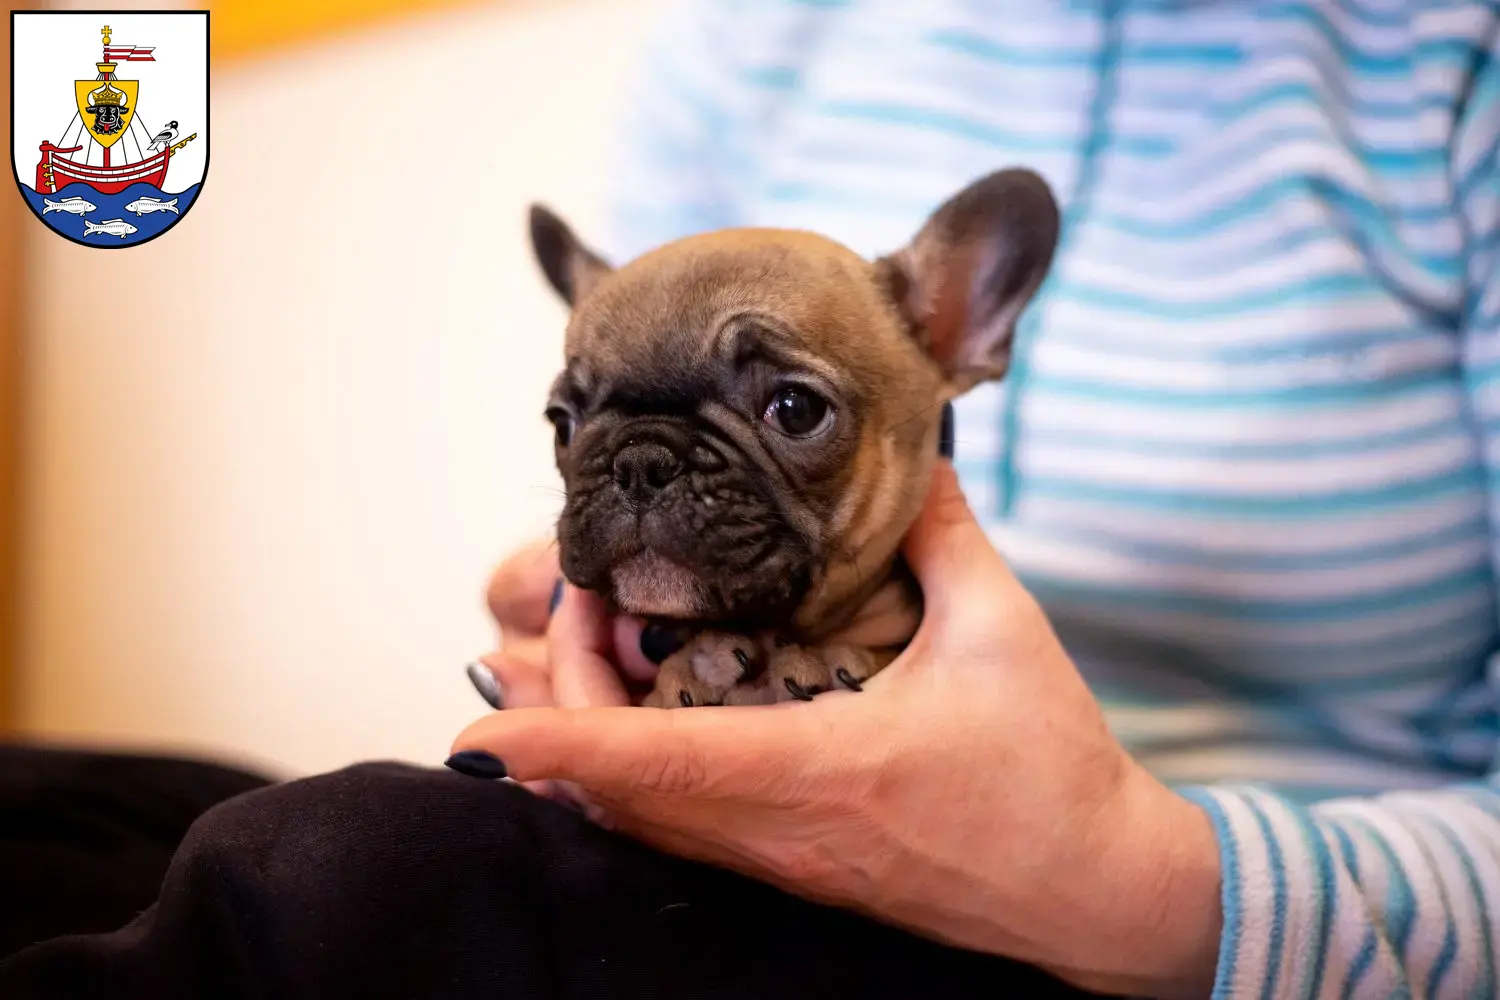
1249	452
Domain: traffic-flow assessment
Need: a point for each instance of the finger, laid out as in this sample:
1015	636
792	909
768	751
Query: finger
580	643
520	590
626	753
521	675
948	549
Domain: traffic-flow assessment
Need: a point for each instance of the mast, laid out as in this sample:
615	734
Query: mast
106	70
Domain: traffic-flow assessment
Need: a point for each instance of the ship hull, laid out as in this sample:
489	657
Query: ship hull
56	171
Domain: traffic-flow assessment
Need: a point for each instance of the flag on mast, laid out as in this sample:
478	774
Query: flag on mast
129	53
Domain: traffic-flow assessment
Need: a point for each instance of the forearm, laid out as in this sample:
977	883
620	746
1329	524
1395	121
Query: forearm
1372	897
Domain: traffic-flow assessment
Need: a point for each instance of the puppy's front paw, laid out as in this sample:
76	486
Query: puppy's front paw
798	673
676	687
709	670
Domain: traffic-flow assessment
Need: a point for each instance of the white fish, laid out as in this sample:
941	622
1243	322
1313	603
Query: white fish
147	205
75	205
112	227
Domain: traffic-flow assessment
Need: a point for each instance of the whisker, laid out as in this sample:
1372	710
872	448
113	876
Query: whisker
893	428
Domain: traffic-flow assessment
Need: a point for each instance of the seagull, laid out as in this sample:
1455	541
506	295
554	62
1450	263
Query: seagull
165	136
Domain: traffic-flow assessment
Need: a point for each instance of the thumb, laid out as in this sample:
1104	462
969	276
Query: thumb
519	592
948	549
627	752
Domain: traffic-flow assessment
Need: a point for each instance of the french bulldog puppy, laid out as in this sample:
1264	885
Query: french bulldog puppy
747	423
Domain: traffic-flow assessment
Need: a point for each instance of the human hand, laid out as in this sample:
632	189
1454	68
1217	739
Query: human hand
558	647
541	620
971	793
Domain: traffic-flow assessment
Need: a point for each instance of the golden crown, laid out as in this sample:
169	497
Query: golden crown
106	95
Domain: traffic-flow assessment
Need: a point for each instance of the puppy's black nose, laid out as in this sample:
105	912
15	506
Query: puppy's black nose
642	469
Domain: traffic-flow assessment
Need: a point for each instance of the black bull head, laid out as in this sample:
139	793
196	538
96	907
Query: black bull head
107	118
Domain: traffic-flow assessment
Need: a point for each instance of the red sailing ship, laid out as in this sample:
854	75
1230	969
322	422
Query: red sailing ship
56	171
105	117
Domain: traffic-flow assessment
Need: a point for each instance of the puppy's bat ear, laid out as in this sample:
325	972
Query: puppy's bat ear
570	266
963	281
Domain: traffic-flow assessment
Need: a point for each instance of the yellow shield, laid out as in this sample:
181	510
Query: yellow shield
85	90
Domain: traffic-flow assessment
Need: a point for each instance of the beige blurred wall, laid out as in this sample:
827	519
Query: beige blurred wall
272	456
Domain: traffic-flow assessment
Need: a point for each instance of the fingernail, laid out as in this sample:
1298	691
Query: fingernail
557	591
483	679
659	642
477	764
945	433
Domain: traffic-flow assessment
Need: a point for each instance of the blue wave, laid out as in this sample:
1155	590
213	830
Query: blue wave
108	207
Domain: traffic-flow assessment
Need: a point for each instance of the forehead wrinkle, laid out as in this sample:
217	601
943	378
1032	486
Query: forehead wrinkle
670	305
787	354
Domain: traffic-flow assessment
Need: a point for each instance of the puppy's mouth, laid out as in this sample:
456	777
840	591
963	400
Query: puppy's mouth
649	584
670	567
702	541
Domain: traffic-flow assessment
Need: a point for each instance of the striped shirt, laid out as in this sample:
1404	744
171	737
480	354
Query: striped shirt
1248	455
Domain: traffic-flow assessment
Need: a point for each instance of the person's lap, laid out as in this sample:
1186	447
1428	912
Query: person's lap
390	881
86	836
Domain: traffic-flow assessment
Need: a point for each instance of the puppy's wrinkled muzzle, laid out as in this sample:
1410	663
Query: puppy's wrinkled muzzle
672	518
643	469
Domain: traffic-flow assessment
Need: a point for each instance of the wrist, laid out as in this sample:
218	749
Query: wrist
1159	914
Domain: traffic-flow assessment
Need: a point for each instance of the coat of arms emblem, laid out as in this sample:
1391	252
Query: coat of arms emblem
106	169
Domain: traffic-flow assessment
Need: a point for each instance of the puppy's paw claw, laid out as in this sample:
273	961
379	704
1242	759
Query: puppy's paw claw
705	671
797	673
798	691
719	668
804	672
750	669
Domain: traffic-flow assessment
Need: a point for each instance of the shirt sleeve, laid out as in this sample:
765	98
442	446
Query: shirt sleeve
1398	895
679	135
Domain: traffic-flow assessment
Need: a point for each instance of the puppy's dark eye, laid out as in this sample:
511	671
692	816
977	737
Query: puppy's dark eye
798	412
562	422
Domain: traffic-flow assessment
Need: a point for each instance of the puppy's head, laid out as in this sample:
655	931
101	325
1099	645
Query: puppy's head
747	419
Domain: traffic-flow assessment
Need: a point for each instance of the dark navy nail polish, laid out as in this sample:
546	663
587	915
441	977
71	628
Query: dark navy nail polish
483	679
557	592
477	764
945	434
659	642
